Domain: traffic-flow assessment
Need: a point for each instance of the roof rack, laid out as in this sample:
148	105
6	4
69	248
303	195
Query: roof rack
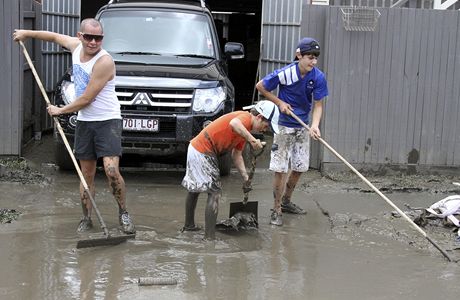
202	2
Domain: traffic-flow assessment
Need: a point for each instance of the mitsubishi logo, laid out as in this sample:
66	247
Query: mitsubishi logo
141	99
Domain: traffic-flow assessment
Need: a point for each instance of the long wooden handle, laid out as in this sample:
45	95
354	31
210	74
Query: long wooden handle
401	213
64	138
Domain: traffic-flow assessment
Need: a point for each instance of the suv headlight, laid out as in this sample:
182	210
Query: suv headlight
68	91
208	100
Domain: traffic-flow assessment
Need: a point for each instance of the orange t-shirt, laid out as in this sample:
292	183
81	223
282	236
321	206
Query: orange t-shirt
219	137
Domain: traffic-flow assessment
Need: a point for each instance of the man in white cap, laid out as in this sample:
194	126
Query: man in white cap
228	133
301	85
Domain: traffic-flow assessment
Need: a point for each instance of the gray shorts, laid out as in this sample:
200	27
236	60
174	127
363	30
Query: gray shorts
290	150
98	139
202	173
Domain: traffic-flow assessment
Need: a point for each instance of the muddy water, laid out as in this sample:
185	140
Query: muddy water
356	251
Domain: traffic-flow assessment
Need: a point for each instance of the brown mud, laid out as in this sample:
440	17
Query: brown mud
350	245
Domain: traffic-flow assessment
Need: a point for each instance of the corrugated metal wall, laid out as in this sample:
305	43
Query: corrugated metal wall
62	16
394	92
280	32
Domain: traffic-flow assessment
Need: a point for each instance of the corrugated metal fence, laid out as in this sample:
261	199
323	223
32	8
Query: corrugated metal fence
281	31
394	91
62	16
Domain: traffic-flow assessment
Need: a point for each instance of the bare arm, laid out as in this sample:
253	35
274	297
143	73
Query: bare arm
237	155
316	118
239	128
283	106
64	40
103	71
238	161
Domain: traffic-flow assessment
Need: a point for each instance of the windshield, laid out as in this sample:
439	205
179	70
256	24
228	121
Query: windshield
157	33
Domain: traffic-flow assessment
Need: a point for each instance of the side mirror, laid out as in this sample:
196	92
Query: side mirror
234	50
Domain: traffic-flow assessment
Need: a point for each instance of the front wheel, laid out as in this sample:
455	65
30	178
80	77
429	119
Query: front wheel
63	160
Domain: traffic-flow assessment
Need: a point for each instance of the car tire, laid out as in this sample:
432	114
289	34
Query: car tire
63	160
225	164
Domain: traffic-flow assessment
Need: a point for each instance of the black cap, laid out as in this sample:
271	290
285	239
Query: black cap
308	46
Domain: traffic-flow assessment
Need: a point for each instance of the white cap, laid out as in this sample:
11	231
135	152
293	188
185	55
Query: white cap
270	112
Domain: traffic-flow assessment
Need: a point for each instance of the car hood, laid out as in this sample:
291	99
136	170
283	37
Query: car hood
169	67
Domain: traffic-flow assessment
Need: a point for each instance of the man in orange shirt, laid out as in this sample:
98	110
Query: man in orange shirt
228	133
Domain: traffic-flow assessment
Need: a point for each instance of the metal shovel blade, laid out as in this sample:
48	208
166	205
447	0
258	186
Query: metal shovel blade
104	241
249	207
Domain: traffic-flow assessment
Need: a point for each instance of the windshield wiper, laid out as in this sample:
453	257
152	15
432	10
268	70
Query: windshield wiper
195	55
137	53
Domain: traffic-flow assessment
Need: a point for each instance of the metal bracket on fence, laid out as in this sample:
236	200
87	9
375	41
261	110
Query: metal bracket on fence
360	18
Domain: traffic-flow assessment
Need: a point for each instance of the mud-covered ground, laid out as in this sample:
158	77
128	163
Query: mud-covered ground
19	170
351	244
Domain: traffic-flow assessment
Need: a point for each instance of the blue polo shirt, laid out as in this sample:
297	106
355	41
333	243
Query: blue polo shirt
297	91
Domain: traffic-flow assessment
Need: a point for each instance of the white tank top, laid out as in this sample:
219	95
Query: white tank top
106	105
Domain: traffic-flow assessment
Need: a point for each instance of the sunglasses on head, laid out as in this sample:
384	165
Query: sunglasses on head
89	37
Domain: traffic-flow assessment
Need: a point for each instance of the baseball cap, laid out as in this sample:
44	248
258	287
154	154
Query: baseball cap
308	45
270	112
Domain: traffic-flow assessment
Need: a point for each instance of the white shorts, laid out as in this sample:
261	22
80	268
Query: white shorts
290	150
202	173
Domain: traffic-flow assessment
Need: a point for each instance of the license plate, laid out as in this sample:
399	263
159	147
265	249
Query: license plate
151	125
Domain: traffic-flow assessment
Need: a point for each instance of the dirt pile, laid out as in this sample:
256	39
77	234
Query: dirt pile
18	170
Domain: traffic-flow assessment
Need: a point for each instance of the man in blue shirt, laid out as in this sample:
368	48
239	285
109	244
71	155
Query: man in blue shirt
302	86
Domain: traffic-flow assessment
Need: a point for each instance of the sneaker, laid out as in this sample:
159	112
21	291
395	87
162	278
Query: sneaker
126	223
275	218
292	208
85	224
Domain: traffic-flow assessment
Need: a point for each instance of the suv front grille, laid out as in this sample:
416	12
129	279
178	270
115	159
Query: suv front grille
161	101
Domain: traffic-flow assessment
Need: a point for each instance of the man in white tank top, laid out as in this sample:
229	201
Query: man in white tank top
99	124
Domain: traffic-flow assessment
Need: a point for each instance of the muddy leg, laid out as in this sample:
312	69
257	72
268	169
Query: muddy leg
278	190
88	169
212	208
190	205
290	186
116	181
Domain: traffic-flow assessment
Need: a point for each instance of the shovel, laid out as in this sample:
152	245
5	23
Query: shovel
247	206
102	241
